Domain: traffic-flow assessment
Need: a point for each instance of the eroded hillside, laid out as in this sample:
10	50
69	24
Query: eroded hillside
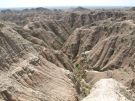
57	55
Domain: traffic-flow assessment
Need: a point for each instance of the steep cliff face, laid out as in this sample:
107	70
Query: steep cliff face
104	47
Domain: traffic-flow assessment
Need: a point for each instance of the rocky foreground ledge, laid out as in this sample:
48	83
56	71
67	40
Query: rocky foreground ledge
109	90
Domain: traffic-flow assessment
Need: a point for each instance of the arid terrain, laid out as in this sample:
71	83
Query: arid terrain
74	54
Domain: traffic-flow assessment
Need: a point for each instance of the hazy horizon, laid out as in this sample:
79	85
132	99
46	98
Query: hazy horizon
65	3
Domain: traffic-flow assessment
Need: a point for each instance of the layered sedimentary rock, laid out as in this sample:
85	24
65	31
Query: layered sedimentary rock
26	75
103	47
108	47
58	55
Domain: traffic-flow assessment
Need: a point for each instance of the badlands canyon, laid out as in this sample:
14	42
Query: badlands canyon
73	54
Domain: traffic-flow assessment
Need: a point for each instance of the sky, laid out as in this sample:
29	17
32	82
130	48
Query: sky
60	3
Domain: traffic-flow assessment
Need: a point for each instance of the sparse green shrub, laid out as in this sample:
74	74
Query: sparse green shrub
77	66
1	26
80	74
85	88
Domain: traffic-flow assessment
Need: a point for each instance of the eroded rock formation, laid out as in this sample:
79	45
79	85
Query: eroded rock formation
58	55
